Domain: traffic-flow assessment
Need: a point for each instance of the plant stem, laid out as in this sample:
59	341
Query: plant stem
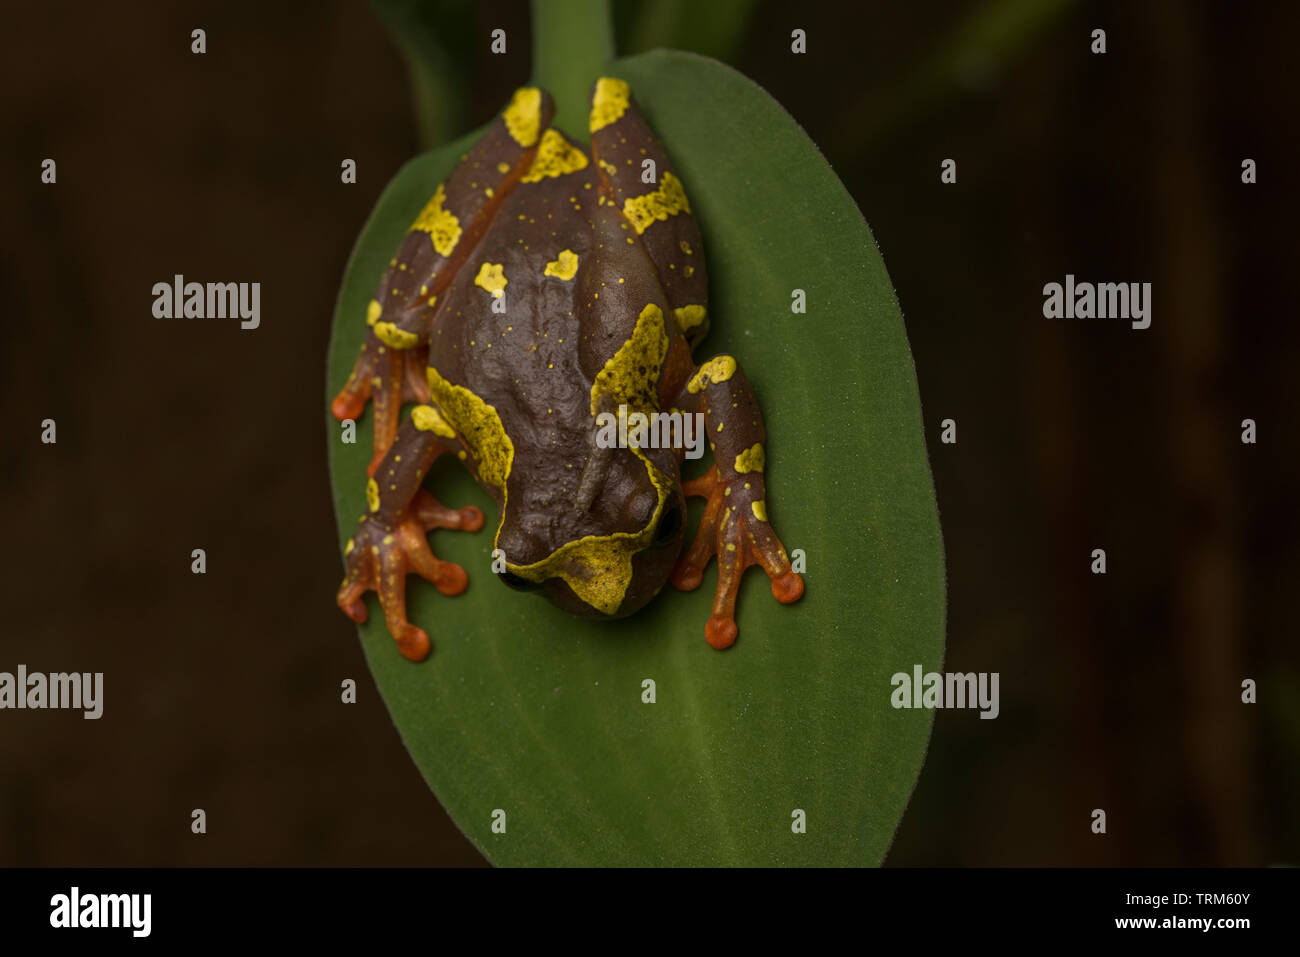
573	42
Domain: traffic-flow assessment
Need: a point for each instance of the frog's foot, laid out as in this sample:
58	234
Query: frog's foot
735	528
384	551
390	377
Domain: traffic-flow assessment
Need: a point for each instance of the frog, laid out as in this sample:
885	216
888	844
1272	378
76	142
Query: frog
544	286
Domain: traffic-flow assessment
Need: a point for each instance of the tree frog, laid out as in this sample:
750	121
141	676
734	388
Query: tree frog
542	286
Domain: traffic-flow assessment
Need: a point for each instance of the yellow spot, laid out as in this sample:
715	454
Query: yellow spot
492	277
461	455
717	369
428	419
760	510
442	226
685	247
668	200
688	317
372	495
397	338
608	103
751	460
564	266
388	539
503	168
488	190
523	116
688	271
347	549
607	167
373	312
556	156
432	300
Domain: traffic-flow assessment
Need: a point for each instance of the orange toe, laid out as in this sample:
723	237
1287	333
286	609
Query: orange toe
720	632
787	588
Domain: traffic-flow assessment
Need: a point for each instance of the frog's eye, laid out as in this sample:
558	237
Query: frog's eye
518	584
669	525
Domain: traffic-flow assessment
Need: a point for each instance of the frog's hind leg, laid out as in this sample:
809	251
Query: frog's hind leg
735	525
400	319
391	540
657	213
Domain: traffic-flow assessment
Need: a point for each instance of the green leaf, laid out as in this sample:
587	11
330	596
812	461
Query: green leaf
526	709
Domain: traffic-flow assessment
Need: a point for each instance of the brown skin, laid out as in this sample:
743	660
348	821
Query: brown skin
528	352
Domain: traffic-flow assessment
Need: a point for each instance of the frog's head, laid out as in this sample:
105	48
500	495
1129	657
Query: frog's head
597	536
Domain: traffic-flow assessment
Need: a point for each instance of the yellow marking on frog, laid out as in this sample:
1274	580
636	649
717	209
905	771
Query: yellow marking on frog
609	168
668	200
372	495
428	419
688	317
503	168
685	247
488	190
479	427
608	103
373	312
751	460
523	115
688	271
631	376
492	277
397	338
461	455
760	510
442	225
564	266
556	156
388	539
432	300
347	549
717	369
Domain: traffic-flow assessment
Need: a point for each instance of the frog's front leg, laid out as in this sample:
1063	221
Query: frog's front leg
735	526
391	540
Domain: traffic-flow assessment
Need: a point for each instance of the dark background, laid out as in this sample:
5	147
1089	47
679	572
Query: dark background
222	690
